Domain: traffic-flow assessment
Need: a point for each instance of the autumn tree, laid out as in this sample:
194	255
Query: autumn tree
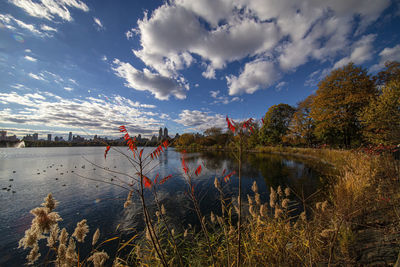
276	123
301	127
186	139
381	118
389	73
339	99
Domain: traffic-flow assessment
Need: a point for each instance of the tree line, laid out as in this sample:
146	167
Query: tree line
350	108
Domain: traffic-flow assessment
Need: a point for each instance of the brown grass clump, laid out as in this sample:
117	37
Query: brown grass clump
45	226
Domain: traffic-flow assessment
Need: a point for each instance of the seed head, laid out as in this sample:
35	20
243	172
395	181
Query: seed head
285	203
263	210
99	259
128	199
278	212
250	200
43	219
50	202
148	237
163	211
52	238
61	254
63	236
185	233
257	198
33	255
280	192
272	198
324	205
216	183
287	191
212	217
71	258
303	216
81	230
32	235
96	236
254	187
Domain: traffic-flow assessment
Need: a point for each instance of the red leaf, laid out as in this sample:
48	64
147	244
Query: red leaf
141	153
165	179
223	172
198	170
105	152
122	128
262	120
184	166
147	182
226	178
155	179
165	143
151	155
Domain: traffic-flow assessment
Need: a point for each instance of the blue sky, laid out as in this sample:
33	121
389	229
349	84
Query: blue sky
90	66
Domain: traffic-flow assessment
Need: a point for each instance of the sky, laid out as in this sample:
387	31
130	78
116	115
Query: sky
89	66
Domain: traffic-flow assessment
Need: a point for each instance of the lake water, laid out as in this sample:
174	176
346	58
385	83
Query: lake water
27	175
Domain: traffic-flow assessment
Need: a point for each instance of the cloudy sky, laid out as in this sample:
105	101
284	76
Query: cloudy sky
89	66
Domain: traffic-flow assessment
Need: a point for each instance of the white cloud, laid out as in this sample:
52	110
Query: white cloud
160	86
362	51
28	51
104	58
12	23
68	89
387	54
45	109
36	77
221	99
280	85
48	9
199	121
256	75
219	32
47	28
29	58
129	34
98	23
73	81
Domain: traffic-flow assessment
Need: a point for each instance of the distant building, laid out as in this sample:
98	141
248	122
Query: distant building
49	137
78	139
3	135
160	134
166	132
153	139
139	137
27	137
12	138
35	136
58	139
177	136
70	137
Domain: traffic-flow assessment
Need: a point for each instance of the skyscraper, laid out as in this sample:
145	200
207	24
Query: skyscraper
165	132
70	137
35	136
160	135
49	137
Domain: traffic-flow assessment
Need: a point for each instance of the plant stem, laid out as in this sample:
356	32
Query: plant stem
238	256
